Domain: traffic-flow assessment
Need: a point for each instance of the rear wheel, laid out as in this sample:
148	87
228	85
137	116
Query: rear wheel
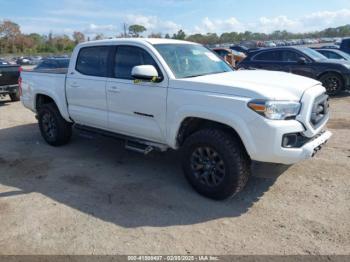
54	129
215	163
332	82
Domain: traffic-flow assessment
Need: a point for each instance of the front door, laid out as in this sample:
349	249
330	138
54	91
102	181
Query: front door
292	64
136	108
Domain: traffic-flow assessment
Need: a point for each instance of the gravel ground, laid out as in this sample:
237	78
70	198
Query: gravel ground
94	197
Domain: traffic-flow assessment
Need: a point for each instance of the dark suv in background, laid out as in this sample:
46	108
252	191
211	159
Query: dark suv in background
334	74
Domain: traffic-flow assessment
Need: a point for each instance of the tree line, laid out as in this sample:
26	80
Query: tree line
13	41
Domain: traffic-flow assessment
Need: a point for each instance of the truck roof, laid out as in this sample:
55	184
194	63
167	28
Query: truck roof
151	41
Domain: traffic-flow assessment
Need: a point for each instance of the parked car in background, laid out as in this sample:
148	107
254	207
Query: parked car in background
159	94
327	47
227	53
334	54
9	75
4	62
53	63
240	48
345	45
334	74
270	44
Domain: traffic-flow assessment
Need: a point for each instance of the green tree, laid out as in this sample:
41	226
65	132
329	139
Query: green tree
179	35
136	30
155	35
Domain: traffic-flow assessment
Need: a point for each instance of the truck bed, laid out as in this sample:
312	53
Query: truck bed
47	82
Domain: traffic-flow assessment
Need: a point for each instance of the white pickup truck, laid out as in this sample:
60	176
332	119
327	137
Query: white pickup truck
158	94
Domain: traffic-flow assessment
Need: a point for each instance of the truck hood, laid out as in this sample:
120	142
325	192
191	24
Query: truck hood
251	83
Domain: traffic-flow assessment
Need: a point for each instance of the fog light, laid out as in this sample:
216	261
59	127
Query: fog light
290	140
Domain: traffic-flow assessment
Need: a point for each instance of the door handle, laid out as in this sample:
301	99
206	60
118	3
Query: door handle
74	84
114	89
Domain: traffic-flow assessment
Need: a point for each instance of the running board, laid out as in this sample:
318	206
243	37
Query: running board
131	143
138	147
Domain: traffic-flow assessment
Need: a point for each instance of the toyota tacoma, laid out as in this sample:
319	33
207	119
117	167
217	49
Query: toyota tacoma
159	94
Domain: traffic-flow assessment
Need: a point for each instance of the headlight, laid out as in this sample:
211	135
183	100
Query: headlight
275	110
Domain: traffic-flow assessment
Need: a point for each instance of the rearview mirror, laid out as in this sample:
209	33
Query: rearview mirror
145	72
302	60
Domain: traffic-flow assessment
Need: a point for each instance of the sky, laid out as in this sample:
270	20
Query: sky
168	16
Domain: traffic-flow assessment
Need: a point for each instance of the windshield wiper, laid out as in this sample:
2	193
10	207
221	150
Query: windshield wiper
196	75
206	74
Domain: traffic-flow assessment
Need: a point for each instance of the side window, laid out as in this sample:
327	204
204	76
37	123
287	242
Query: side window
290	56
220	53
325	53
332	55
93	61
268	56
129	56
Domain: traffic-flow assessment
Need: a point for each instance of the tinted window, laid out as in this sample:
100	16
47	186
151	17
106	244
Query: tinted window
47	64
290	56
93	61
129	56
331	55
64	63
268	56
222	53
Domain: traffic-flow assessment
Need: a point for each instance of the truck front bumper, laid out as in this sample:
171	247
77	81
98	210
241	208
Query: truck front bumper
268	142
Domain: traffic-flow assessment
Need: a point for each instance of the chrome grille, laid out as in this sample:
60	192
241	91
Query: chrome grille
320	110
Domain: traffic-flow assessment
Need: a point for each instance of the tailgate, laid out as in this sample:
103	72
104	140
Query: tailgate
9	75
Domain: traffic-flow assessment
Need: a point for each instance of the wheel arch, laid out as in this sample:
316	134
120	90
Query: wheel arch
42	98
191	124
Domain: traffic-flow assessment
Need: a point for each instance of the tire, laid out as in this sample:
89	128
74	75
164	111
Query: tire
332	82
54	129
228	169
14	97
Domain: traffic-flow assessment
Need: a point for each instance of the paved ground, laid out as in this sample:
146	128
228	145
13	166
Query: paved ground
94	197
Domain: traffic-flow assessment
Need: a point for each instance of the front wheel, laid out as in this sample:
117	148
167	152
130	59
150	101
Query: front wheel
215	163
332	82
54	129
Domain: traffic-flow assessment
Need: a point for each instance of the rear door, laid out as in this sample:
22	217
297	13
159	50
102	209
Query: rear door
86	87
136	108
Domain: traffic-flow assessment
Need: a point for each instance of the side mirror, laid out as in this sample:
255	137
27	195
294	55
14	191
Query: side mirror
302	60
145	72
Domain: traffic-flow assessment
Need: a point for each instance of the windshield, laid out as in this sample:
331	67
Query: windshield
187	60
313	54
